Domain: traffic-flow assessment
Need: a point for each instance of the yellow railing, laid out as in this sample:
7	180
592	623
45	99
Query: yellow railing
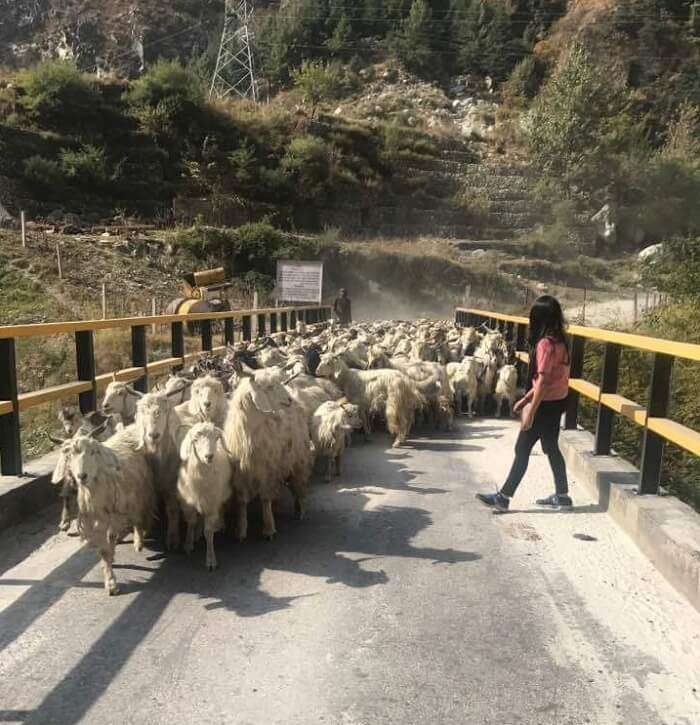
12	403
652	417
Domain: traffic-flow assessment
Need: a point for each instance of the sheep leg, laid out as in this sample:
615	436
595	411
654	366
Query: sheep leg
366	427
138	539
172	508
66	517
338	462
329	470
210	526
268	519
107	558
241	519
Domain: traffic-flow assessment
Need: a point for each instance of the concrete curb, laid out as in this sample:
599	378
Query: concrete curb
23	496
664	528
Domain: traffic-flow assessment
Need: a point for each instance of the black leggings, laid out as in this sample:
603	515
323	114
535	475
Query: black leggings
545	427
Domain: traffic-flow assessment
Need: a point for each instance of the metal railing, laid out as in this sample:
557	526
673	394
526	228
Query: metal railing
12	403
658	428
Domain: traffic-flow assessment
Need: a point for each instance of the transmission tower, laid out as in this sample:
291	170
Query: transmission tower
235	72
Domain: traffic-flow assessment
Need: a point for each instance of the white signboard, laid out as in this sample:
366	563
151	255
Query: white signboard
299	281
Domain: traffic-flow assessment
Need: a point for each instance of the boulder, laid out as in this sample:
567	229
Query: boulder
605	224
650	252
6	219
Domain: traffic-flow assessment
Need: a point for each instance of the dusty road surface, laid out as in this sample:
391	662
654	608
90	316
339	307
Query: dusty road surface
399	600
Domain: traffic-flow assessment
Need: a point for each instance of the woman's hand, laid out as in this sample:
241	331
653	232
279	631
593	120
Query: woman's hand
528	417
519	405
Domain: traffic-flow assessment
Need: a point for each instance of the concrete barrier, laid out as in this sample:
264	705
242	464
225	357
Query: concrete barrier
664	528
22	496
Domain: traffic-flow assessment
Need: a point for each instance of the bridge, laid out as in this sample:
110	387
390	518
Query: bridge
399	599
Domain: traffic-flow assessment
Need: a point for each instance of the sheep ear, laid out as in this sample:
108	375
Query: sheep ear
95	432
186	447
261	401
56	440
225	448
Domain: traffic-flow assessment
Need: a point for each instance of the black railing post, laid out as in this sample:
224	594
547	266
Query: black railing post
205	329
653	447
576	353
85	358
261	325
10	443
293	318
510	332
273	323
247	328
283	322
177	343
228	331
521	337
604	426
139	356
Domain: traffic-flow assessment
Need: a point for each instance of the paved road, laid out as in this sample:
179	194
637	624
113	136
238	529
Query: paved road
399	600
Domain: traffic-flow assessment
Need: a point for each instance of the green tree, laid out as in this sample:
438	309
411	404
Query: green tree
317	81
58	96
412	41
339	43
572	115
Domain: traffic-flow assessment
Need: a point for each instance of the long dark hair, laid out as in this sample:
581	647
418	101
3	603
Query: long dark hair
546	320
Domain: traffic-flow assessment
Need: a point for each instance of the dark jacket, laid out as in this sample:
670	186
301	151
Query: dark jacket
343	310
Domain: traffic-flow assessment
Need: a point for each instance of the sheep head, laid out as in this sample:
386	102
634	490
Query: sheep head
152	418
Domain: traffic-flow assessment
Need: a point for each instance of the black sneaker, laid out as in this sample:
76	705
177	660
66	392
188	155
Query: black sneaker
494	500
556	500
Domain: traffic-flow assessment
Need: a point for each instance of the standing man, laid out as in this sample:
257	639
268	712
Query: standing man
342	308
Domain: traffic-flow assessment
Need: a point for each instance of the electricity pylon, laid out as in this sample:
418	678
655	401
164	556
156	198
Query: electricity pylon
235	72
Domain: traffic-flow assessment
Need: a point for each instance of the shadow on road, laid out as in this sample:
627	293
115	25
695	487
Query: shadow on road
338	544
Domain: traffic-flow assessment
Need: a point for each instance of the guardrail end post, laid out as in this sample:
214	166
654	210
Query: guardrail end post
10	441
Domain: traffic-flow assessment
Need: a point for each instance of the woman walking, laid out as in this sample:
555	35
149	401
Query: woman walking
542	406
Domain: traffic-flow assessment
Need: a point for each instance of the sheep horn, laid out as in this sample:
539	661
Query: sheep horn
95	432
56	440
135	393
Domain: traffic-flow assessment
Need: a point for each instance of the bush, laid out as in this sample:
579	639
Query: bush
525	80
166	81
318	82
86	167
58	96
307	162
43	175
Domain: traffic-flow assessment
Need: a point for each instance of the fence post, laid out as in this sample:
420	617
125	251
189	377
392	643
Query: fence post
510	332
246	328
228	331
261	326
58	261
283	322
177	342
293	317
104	301
85	357
23	220
653	447
205	330
603	429
521	336
577	351
10	443
273	323
139	356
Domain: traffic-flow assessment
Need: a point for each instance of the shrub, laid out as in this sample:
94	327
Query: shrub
86	167
318	82
58	96
307	161
43	175
525	80
166	80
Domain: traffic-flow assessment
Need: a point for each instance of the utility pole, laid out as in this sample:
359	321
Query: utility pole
235	72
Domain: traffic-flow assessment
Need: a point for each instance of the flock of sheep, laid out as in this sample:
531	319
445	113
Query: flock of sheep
253	422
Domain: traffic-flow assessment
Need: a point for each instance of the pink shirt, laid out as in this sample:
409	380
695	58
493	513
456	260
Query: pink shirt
553	362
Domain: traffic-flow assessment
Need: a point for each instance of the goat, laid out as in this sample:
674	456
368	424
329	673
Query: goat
204	484
331	425
115	492
506	389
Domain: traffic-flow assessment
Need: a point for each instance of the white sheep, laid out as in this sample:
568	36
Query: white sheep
156	427
120	399
464	382
506	389
331	425
387	393
267	433
207	403
178	389
311	392
204	484
115	492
